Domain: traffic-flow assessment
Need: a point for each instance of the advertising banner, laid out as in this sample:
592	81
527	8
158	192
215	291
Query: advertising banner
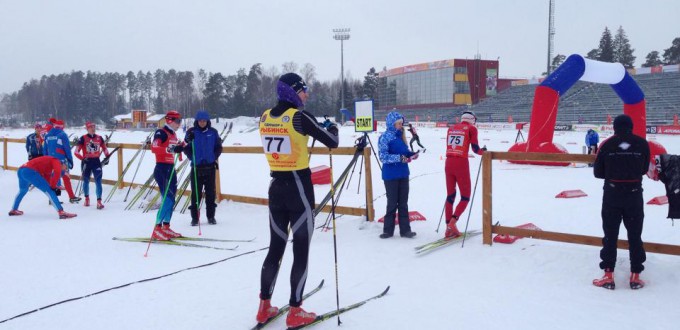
491	81
563	127
674	130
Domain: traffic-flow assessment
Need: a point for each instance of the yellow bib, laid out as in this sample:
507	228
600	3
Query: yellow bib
285	148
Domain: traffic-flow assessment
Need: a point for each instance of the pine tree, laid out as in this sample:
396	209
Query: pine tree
606	48
593	54
652	59
672	55
623	53
370	87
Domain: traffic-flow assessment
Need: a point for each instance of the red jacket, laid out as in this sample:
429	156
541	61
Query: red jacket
90	147
164	141
48	167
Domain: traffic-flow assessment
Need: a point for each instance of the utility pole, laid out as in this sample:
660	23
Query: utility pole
342	35
551	34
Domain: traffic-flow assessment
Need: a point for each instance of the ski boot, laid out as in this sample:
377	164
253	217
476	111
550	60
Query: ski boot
298	316
87	201
607	281
169	232
451	229
212	221
99	204
65	215
15	212
636	282
266	311
158	234
74	200
194	222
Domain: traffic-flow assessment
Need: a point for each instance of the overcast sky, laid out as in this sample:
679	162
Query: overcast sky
51	37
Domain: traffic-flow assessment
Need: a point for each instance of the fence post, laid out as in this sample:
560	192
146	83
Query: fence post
120	167
4	153
487	157
218	185
369	185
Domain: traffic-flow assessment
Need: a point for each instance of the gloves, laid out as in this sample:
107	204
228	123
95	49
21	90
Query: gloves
189	136
178	148
217	165
415	156
405	159
70	164
333	129
484	148
106	161
57	191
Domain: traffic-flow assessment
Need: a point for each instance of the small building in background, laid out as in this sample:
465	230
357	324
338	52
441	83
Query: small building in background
139	119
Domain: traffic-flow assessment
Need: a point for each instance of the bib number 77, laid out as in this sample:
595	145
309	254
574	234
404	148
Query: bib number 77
279	144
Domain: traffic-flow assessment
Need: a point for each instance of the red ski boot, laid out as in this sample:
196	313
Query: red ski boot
298	316
169	232
16	212
159	234
451	229
636	282
266	311
607	281
65	215
99	204
87	201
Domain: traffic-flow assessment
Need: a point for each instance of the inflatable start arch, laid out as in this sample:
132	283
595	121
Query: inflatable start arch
547	97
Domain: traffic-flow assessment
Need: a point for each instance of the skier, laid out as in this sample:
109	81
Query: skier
57	145
395	156
203	147
622	161
285	131
459	138
88	149
43	173
414	137
33	145
165	145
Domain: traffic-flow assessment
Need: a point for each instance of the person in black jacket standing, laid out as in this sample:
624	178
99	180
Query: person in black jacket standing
206	149
622	161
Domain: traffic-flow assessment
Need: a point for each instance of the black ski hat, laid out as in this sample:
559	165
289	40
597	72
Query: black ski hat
623	124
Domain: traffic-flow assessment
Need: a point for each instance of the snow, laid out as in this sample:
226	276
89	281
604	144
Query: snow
531	284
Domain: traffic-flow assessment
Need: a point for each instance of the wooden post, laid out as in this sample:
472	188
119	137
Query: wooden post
120	167
218	186
487	158
370	216
4	153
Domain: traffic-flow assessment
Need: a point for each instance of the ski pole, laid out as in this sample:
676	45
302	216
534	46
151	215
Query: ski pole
195	191
442	216
158	214
141	159
471	202
335	240
310	151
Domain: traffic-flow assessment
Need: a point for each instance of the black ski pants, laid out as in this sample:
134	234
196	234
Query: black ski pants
291	202
415	138
622	203
204	179
397	200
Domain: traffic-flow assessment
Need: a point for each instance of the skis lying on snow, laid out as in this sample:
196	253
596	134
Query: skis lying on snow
285	308
445	241
172	242
331	314
183	238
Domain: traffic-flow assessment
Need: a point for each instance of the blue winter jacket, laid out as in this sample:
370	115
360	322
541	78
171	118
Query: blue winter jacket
207	143
57	145
391	147
32	146
592	138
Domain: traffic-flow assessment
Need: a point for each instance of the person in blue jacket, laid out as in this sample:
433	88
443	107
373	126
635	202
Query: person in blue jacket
57	145
395	156
203	147
592	139
33	147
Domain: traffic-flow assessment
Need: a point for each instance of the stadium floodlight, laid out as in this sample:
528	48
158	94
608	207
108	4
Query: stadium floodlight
342	35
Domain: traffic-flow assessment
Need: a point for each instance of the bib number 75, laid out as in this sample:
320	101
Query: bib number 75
456	140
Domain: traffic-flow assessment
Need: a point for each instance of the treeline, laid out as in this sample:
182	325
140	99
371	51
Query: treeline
617	49
92	96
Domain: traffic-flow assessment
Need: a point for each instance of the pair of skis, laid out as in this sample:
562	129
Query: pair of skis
185	241
429	247
322	317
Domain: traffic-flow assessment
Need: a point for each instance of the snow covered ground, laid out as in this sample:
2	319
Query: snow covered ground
531	284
